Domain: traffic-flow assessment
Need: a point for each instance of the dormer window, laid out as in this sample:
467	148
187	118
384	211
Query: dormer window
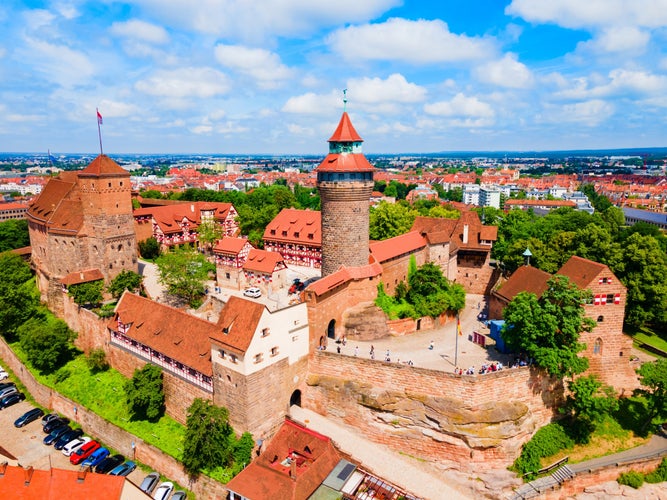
266	332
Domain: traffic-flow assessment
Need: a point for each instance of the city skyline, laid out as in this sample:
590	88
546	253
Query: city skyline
169	76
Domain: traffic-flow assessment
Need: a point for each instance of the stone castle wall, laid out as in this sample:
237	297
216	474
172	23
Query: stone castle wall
395	271
431	414
345	222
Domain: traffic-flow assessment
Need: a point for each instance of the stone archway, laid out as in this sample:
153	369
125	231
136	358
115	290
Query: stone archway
295	398
331	329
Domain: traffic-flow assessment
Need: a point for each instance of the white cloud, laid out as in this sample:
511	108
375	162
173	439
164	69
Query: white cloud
140	30
415	42
299	130
116	109
66	10
58	63
591	13
185	82
506	72
257	20
37	19
376	90
590	113
460	106
312	104
17	118
618	82
263	66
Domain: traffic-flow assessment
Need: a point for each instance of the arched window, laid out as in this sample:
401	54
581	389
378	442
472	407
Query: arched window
597	347
600	319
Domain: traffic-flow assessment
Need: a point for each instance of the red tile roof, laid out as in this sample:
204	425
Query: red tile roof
295	226
58	483
238	323
103	165
170	217
268	476
524	279
343	275
435	230
398	245
345	131
263	261
79	277
230	246
172	332
345	162
581	271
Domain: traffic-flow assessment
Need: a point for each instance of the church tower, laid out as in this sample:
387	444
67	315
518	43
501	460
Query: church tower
345	183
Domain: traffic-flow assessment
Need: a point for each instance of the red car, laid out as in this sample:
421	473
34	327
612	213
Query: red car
82	453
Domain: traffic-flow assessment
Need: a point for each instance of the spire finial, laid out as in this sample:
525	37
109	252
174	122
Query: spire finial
344	100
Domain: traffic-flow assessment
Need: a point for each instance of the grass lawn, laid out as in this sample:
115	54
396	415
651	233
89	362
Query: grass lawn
103	394
647	336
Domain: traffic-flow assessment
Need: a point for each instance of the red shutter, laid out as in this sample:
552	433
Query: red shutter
597	300
617	298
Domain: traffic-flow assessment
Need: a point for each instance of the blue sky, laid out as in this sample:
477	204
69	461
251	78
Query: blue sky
266	76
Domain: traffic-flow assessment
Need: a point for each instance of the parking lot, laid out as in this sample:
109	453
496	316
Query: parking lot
26	445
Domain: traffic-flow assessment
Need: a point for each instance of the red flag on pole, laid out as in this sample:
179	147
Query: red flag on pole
458	325
99	118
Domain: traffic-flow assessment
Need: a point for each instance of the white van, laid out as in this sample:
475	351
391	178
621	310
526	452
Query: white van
7	391
72	446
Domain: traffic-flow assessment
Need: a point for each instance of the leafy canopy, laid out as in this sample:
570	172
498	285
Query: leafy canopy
183	271
19	298
46	342
145	394
653	378
209	438
547	329
125	280
87	293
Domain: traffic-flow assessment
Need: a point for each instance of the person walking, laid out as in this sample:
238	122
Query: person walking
356	350
431	346
372	353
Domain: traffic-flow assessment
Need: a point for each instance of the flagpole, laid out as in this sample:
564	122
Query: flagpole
99	130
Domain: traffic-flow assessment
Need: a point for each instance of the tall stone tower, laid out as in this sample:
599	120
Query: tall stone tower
345	183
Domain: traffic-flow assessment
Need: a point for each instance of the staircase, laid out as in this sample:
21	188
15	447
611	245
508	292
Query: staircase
538	486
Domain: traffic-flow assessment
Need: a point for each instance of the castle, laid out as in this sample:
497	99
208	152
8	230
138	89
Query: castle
258	362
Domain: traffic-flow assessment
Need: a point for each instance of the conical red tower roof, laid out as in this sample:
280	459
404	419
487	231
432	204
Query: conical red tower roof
103	165
345	132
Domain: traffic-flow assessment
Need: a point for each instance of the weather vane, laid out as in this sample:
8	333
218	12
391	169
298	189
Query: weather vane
344	100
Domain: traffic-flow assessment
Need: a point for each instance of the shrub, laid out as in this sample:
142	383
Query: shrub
631	478
659	475
97	361
62	375
547	441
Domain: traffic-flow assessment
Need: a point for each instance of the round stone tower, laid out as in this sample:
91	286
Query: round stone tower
345	183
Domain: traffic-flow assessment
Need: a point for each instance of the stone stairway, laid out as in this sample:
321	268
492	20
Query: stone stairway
546	483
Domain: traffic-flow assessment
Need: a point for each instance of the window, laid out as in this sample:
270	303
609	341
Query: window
227	276
233	358
274	351
284	233
222	354
600	319
258	358
597	347
265	332
610	298
296	235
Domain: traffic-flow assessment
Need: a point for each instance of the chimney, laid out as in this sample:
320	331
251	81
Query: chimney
292	468
465	234
81	475
27	474
3	468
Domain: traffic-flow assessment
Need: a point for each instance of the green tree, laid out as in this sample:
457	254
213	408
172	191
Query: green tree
144	393
149	248
209	232
87	293
97	360
19	298
46	342
390	219
588	403
432	294
548	329
14	234
125	280
653	378
184	271
208	440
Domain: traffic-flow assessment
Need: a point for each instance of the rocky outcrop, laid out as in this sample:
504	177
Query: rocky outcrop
365	321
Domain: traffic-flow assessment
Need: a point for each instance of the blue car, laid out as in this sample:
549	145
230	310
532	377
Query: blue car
124	469
95	458
55	434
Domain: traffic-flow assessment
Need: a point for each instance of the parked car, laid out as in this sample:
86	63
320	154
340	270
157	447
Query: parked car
109	464
150	482
163	491
73	446
11	399
66	438
95	457
53	436
4	385
253	292
179	495
84	452
53	423
123	469
28	417
3	374
8	390
48	417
